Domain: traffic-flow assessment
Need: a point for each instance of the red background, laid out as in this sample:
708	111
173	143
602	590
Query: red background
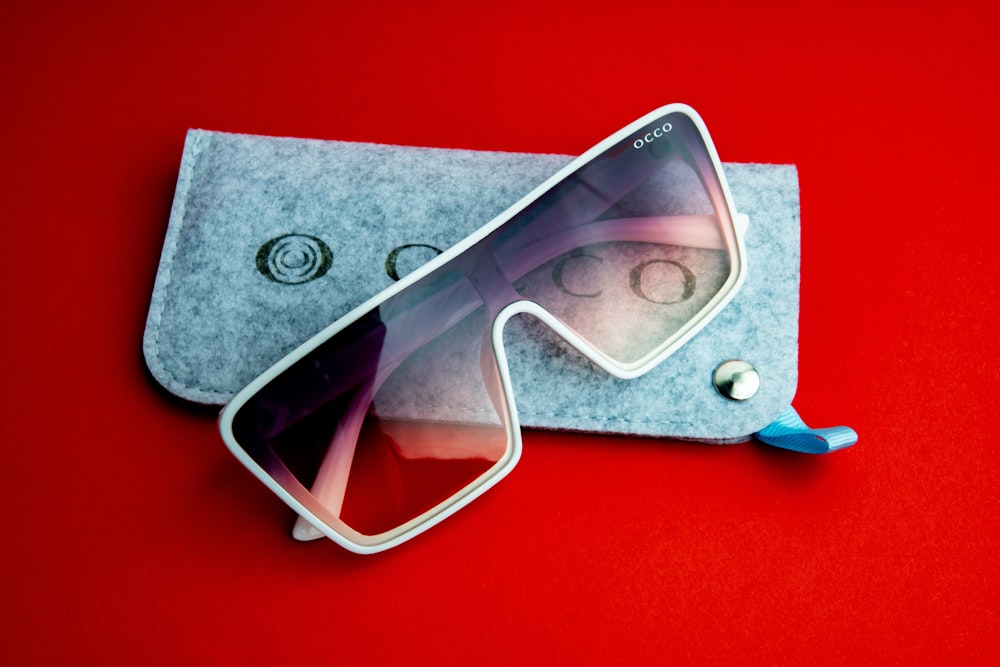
133	537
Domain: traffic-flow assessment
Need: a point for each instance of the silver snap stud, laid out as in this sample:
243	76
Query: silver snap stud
736	379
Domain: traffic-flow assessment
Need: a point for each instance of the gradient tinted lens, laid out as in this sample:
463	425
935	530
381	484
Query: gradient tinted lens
401	413
632	250
369	431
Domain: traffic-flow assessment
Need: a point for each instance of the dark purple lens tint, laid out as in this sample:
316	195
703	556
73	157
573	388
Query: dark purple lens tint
631	250
402	412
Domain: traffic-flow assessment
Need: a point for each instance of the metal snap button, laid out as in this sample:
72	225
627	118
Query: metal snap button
736	379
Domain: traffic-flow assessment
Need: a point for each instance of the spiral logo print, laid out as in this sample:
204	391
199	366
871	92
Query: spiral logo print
293	259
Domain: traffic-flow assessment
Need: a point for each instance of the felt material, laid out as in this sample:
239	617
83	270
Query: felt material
272	239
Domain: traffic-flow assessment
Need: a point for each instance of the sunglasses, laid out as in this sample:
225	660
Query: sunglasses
625	254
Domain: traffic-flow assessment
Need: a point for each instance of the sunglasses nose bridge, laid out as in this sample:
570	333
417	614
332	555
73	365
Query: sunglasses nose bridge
493	337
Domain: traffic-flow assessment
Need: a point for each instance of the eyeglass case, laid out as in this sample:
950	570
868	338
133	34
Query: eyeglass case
271	239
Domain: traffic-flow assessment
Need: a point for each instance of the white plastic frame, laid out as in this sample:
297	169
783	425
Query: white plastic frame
311	525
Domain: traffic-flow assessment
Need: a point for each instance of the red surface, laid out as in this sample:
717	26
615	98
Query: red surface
132	537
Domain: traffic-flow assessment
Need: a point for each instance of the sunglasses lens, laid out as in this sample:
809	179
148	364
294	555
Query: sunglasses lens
632	250
368	430
400	415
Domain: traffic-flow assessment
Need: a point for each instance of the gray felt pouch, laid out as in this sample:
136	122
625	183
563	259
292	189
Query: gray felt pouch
272	239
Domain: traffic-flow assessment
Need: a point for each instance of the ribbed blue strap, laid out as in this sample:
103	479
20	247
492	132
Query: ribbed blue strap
790	432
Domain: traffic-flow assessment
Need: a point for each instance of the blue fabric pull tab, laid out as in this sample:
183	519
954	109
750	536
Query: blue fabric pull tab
790	432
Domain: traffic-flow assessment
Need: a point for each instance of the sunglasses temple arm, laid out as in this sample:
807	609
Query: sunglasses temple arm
330	485
717	188
693	231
